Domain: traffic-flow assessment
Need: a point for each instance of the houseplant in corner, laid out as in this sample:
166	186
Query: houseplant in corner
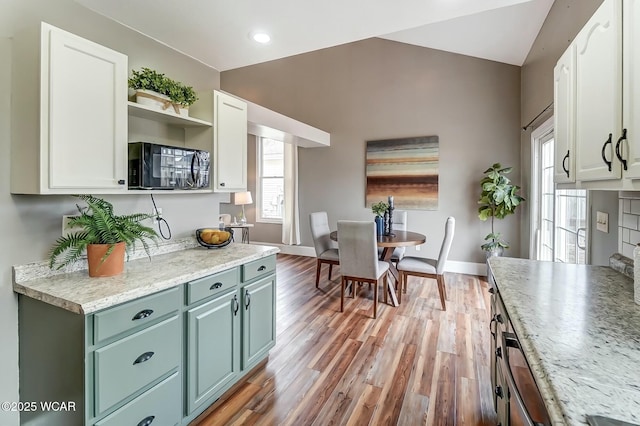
104	235
379	210
498	199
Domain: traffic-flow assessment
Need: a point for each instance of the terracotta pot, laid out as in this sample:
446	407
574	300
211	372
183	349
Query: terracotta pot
112	265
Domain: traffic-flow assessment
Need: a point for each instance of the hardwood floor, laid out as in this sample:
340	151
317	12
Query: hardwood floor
413	365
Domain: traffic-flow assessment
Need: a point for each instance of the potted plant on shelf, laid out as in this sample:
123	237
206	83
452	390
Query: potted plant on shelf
105	236
498	199
379	210
159	91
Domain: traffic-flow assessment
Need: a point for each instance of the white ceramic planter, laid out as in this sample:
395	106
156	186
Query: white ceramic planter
160	102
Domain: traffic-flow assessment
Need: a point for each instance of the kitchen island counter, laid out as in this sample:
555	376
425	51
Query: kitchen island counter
79	293
579	329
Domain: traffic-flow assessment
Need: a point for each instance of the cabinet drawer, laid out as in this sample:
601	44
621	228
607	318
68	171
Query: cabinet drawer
213	284
135	313
160	405
258	268
129	364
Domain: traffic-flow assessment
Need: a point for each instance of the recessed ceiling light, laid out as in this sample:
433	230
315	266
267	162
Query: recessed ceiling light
261	37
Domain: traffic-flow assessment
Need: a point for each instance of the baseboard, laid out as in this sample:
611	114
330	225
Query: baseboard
469	268
286	249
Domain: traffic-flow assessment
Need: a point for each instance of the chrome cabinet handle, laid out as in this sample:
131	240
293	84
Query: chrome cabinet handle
622	160
142	314
146	421
215	285
604	158
247	296
143	358
262	268
237	305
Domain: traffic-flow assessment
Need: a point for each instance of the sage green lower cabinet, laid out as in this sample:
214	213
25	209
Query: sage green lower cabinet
258	320
157	360
213	348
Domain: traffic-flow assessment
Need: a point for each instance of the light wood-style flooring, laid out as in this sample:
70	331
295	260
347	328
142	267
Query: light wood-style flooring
413	365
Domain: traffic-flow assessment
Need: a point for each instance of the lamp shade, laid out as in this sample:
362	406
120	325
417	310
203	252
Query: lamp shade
242	198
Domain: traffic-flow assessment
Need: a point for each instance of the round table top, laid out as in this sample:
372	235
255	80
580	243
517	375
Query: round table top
400	239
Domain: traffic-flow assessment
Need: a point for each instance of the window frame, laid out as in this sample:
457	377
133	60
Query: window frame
259	180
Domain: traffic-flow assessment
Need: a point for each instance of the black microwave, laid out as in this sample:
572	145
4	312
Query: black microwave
154	166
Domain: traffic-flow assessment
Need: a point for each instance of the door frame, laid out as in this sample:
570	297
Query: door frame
534	206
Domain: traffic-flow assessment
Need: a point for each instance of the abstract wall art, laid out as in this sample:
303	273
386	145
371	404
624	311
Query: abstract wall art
405	168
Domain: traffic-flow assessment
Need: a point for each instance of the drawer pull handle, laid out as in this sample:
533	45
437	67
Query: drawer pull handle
262	268
142	314
121	182
215	286
491	290
499	352
499	392
146	421
143	358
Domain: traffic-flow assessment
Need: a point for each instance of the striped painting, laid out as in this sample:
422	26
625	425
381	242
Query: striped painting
405	168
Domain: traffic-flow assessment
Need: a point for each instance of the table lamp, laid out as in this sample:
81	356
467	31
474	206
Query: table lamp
240	199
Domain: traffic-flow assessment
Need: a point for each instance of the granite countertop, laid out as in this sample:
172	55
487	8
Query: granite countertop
79	293
580	331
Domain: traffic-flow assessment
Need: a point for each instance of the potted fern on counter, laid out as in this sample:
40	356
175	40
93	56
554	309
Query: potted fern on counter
105	236
498	199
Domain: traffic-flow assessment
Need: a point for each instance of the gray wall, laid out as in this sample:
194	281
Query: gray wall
563	22
379	89
30	224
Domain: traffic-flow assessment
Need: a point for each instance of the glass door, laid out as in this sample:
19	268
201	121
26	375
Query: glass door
559	216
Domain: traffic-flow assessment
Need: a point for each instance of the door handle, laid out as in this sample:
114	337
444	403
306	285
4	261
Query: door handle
623	137
604	158
566	170
580	230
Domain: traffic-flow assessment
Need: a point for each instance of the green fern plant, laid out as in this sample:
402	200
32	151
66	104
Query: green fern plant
100	226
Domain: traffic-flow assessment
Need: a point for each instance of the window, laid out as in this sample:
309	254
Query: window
559	216
270	193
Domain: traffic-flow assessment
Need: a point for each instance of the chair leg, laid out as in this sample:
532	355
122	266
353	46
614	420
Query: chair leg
342	285
330	269
444	288
375	297
399	288
318	264
441	290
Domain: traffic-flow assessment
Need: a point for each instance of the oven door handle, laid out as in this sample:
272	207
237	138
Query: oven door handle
509	340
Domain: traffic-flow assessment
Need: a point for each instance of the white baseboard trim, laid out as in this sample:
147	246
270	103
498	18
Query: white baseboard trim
469	268
286	249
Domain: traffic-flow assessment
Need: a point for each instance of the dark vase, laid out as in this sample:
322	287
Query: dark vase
379	225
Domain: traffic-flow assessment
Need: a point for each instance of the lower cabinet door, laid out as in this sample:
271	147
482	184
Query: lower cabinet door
258	320
159	406
213	348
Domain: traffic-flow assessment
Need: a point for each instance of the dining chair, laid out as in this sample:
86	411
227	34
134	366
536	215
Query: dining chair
399	224
428	268
357	245
325	252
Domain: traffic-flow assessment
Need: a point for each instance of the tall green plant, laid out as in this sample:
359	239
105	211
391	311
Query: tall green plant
100	226
498	199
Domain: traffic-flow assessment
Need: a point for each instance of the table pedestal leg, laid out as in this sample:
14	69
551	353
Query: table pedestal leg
387	252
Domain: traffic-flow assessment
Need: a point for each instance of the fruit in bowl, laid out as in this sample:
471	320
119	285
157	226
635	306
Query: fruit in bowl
210	237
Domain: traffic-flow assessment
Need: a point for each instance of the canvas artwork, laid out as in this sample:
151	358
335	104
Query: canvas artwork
405	168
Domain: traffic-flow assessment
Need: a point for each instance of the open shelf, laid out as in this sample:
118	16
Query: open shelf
143	111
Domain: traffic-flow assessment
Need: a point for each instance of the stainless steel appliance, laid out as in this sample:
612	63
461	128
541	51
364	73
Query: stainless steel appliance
154	166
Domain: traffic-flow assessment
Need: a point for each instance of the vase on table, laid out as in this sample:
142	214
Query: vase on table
379	225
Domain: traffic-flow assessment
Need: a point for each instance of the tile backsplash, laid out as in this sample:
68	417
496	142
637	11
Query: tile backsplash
628	222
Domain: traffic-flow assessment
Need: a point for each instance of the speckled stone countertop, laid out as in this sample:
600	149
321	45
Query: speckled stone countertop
579	329
79	293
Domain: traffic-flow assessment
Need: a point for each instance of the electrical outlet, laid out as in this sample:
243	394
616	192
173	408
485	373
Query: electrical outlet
66	231
157	212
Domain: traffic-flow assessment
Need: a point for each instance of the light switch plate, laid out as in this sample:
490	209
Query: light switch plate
602	221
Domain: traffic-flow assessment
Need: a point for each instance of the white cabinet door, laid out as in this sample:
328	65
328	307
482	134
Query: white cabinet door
230	143
599	93
631	85
84	97
564	103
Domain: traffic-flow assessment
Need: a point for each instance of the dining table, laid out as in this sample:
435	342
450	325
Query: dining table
388	242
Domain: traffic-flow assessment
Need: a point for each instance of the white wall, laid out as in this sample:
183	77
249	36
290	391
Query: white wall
30	224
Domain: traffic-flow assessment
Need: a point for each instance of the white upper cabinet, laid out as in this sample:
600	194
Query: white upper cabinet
598	110
631	88
229	143
564	125
70	130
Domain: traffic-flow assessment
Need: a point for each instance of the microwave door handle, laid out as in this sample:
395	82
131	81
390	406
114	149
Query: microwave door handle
509	340
195	172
